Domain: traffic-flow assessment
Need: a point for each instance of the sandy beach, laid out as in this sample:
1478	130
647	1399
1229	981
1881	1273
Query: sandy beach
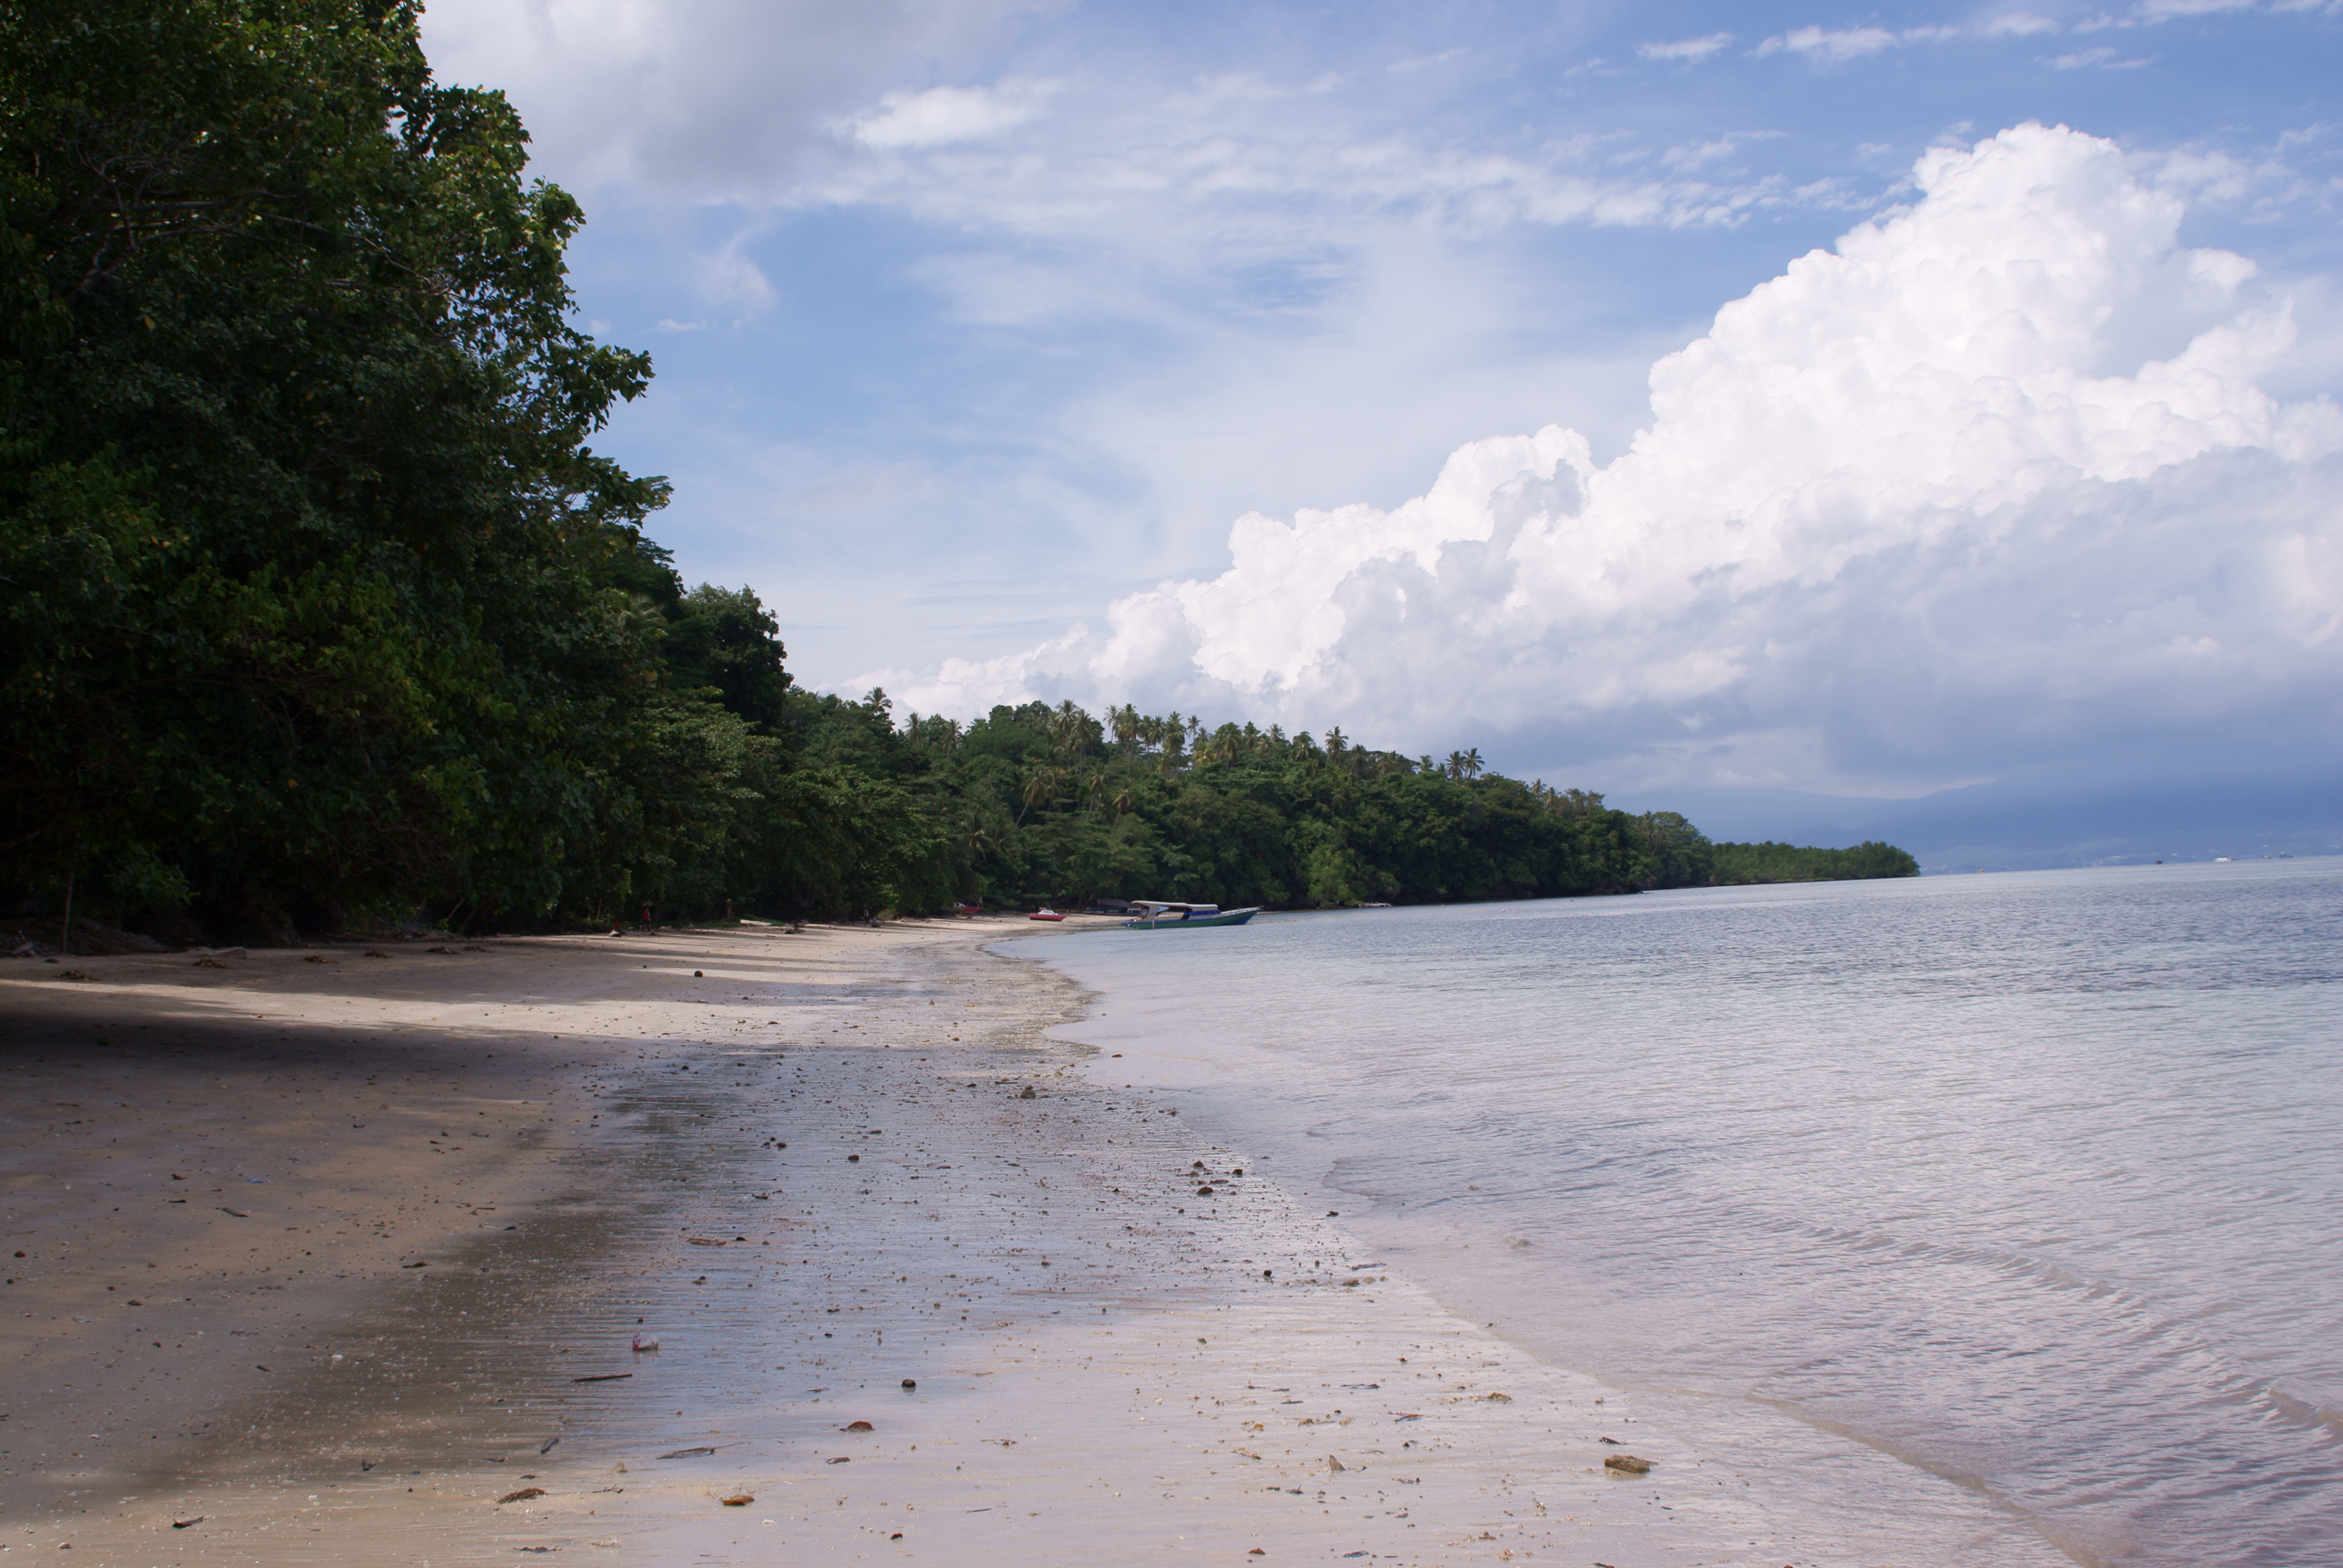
320	1254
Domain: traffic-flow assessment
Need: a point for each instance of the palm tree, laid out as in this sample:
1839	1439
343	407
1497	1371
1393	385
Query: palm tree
642	613
1070	728
1040	789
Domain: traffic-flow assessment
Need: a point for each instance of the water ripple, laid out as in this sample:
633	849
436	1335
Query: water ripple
2031	1181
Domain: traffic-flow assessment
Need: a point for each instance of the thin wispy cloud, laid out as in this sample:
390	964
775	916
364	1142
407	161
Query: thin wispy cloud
710	100
1425	61
2162	10
1225	161
941	117
1694	155
1831	45
2101	58
1687	49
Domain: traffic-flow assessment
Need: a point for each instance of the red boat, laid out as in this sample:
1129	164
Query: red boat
1045	915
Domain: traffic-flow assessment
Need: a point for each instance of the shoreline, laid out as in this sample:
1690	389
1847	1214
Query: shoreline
1296	1068
1102	1363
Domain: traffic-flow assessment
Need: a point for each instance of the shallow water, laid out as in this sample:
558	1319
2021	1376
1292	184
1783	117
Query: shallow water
2031	1183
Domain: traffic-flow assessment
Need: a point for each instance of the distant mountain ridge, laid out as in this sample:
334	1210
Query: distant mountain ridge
2037	823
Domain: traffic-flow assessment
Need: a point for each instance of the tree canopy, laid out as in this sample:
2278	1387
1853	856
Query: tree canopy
307	567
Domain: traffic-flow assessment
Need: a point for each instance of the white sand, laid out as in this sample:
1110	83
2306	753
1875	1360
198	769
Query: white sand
1103	1368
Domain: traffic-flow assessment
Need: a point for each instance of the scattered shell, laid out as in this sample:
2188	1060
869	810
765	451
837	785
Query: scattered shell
1627	1464
738	1499
859	1426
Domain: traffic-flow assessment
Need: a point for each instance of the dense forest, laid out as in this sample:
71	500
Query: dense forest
318	610
1771	862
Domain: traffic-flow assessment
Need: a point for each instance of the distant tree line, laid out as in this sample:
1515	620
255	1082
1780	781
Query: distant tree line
1772	862
317	608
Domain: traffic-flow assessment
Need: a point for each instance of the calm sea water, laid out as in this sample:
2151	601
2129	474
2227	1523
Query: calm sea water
2031	1183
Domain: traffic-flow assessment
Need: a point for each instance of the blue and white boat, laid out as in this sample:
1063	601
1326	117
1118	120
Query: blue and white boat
1154	915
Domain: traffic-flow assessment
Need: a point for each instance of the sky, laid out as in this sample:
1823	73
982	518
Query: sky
1862	404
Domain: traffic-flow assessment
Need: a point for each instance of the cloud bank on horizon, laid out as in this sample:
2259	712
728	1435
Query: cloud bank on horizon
1991	483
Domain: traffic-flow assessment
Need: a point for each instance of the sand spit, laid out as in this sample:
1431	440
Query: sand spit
328	1257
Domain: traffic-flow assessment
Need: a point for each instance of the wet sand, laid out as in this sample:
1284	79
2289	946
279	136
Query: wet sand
325	1255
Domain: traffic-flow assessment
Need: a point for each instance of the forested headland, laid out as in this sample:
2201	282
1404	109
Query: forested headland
319	609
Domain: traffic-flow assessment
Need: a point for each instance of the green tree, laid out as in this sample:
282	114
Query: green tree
725	641
1675	853
304	563
1772	862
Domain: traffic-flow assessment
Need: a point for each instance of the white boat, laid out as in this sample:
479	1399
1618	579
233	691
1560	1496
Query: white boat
1155	915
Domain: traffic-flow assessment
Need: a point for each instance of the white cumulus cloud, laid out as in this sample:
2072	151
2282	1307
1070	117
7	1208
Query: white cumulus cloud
1991	481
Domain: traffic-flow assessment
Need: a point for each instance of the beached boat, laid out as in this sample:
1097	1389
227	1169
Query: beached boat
1157	916
1045	915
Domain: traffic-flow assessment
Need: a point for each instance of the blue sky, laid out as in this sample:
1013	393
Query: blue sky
975	320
